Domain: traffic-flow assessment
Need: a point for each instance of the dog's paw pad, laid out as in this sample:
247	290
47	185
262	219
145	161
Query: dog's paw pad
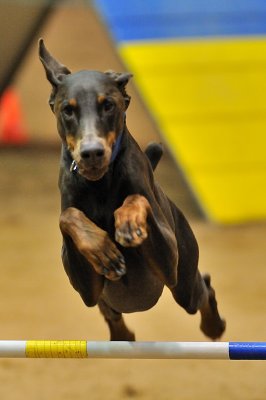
115	270
130	237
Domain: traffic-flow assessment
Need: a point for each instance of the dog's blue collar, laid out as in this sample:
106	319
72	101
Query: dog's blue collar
116	147
115	151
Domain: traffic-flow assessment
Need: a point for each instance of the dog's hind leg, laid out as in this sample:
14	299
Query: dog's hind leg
211	323
116	323
194	292
201	297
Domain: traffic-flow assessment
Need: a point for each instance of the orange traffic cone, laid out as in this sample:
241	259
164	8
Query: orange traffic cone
12	128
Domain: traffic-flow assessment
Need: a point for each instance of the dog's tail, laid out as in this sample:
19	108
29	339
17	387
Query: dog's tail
154	152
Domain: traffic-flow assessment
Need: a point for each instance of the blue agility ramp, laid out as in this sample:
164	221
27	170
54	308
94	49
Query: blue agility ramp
151	20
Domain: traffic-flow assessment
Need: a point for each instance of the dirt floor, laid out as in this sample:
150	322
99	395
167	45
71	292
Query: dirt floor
37	301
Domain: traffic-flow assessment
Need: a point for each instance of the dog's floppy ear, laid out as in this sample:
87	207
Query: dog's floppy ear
53	69
121	80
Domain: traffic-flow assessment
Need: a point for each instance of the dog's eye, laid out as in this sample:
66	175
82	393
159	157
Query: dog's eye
108	105
68	111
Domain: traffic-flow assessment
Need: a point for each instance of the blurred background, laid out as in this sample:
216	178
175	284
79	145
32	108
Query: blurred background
199	88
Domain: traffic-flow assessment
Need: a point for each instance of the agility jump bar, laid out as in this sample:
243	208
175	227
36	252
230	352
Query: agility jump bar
132	350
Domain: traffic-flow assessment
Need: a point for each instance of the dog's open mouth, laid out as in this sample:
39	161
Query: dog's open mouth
92	173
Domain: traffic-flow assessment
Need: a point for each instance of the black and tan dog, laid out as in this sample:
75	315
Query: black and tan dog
123	239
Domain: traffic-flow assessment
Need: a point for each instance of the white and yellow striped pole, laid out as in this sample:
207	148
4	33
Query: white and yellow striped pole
137	350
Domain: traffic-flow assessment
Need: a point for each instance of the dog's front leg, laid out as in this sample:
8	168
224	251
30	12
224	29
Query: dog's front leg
138	223
93	243
131	221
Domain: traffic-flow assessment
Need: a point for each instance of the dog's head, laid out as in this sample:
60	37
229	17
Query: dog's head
90	110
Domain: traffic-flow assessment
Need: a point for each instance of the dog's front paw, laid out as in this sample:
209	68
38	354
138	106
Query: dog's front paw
104	256
131	221
93	243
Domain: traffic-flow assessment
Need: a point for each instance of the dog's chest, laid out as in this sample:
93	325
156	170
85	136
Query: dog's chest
98	200
100	213
98	208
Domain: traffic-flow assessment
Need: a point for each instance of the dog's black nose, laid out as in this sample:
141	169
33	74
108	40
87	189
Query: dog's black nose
92	151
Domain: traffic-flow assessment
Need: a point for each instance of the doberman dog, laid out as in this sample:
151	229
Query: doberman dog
123	239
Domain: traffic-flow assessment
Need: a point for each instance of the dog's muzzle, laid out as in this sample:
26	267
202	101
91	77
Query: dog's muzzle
94	160
92	153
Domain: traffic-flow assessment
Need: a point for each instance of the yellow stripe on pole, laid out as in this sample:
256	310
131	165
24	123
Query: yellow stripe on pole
56	349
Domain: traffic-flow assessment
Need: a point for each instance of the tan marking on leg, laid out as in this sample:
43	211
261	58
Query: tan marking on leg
131	221
93	243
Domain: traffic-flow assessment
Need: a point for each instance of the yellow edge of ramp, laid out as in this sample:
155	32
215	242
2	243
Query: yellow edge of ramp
209	100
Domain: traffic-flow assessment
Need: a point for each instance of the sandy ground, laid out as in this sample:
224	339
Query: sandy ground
37	301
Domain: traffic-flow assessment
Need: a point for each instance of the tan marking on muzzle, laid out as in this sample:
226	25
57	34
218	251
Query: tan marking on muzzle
110	139
71	142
